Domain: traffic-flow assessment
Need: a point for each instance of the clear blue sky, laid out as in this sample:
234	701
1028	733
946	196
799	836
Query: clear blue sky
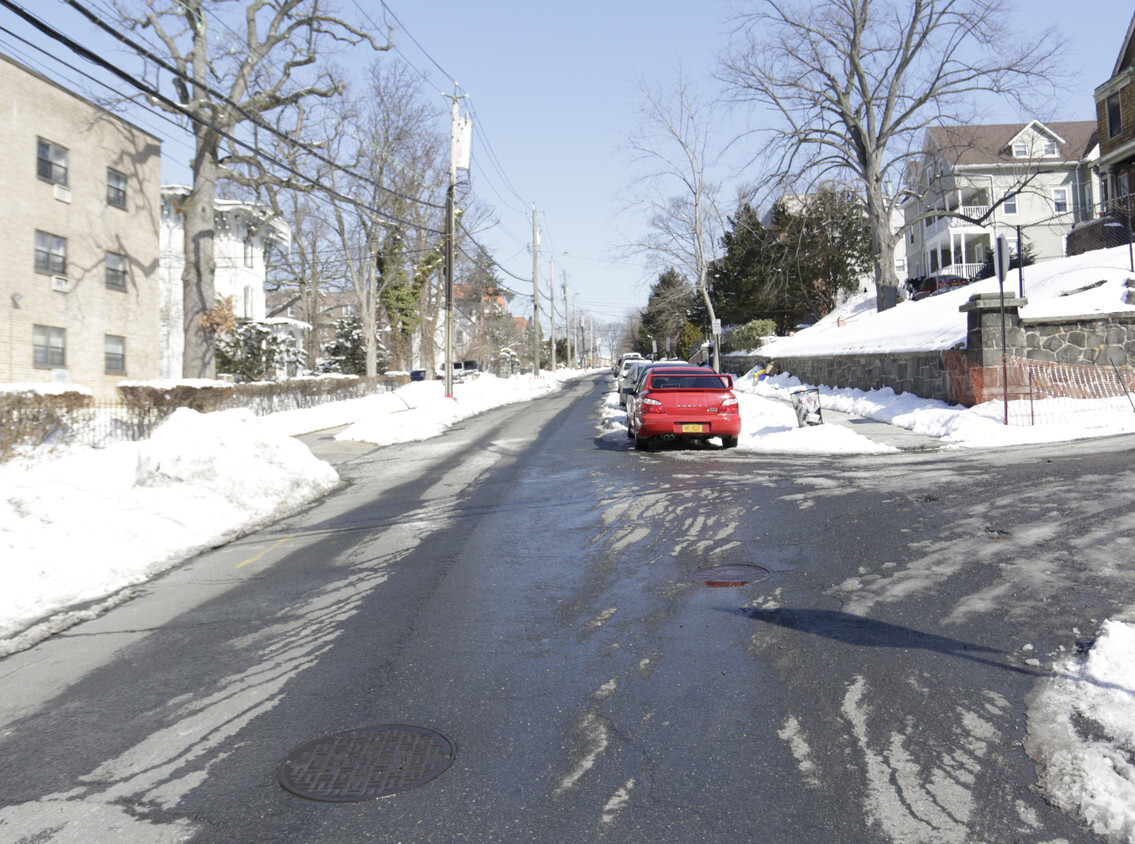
553	88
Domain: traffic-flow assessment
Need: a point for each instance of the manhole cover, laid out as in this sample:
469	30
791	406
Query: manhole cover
365	763
736	575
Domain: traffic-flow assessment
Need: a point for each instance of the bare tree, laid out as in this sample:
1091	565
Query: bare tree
233	69
674	142
855	82
313	266
385	230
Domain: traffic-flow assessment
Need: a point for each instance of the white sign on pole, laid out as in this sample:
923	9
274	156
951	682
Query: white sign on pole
462	142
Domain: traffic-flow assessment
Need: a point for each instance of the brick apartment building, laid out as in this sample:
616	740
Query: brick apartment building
79	238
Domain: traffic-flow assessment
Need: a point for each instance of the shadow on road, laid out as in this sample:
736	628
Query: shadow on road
866	632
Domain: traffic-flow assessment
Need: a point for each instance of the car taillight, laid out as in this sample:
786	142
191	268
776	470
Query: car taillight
729	405
650	405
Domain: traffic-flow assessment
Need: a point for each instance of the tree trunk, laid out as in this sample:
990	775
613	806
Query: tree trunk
882	247
369	316
198	278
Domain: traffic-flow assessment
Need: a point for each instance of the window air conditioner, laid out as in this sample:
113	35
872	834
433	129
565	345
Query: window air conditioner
62	193
61	283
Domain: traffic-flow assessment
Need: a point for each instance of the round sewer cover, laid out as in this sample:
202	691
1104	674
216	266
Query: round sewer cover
735	575
365	763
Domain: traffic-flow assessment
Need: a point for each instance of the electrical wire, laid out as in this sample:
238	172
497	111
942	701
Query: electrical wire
152	92
157	95
254	118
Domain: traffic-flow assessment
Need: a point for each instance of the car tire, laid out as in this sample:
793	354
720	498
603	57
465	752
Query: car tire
729	442
643	443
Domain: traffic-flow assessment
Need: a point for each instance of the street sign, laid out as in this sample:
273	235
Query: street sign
1001	257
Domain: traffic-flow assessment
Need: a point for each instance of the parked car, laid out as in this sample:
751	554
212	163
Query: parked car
685	403
463	370
627	373
634	375
938	284
635	384
623	358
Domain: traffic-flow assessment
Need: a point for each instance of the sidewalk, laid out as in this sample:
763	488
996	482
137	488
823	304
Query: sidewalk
881	432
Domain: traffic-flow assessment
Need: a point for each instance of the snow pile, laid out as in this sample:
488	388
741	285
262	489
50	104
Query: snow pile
1082	734
981	426
89	523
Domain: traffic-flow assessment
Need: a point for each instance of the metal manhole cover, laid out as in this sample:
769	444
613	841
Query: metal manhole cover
365	763
735	575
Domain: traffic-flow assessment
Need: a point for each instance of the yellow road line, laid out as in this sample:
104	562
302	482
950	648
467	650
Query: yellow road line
265	551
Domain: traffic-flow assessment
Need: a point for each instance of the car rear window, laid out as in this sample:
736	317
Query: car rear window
708	381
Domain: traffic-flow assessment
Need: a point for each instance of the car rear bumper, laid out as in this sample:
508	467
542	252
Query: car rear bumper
722	426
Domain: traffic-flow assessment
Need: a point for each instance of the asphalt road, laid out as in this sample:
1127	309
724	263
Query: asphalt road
523	586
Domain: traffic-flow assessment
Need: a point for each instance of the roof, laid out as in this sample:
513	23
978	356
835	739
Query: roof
969	146
1127	52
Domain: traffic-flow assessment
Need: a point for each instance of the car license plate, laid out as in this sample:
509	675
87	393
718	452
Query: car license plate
693	429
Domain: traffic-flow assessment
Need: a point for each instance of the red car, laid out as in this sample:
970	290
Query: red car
939	284
688	403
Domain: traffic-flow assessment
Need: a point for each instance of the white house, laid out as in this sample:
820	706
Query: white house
245	236
1041	173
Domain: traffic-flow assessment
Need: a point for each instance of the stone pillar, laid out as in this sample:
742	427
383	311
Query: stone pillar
983	336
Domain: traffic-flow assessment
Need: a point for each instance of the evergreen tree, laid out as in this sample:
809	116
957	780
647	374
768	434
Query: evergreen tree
794	269
347	352
672	299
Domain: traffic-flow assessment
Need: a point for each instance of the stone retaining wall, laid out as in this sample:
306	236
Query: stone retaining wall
1104	340
921	373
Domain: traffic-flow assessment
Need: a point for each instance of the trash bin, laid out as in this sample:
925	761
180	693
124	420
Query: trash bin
806	403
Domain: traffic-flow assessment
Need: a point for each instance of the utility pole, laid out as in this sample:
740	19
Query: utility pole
535	294
460	134
552	304
567	322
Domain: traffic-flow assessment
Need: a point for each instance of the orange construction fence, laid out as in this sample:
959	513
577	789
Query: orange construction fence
1041	392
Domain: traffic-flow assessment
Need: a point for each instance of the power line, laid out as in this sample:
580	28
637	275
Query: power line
157	95
254	118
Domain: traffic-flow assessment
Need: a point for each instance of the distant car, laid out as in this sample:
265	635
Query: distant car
417	375
623	358
939	284
685	404
463	370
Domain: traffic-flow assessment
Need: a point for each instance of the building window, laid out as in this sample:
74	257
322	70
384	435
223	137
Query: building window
1114	116
50	254
115	188
1009	206
1060	200
1020	150
49	346
115	271
51	162
248	251
115	351
1050	149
